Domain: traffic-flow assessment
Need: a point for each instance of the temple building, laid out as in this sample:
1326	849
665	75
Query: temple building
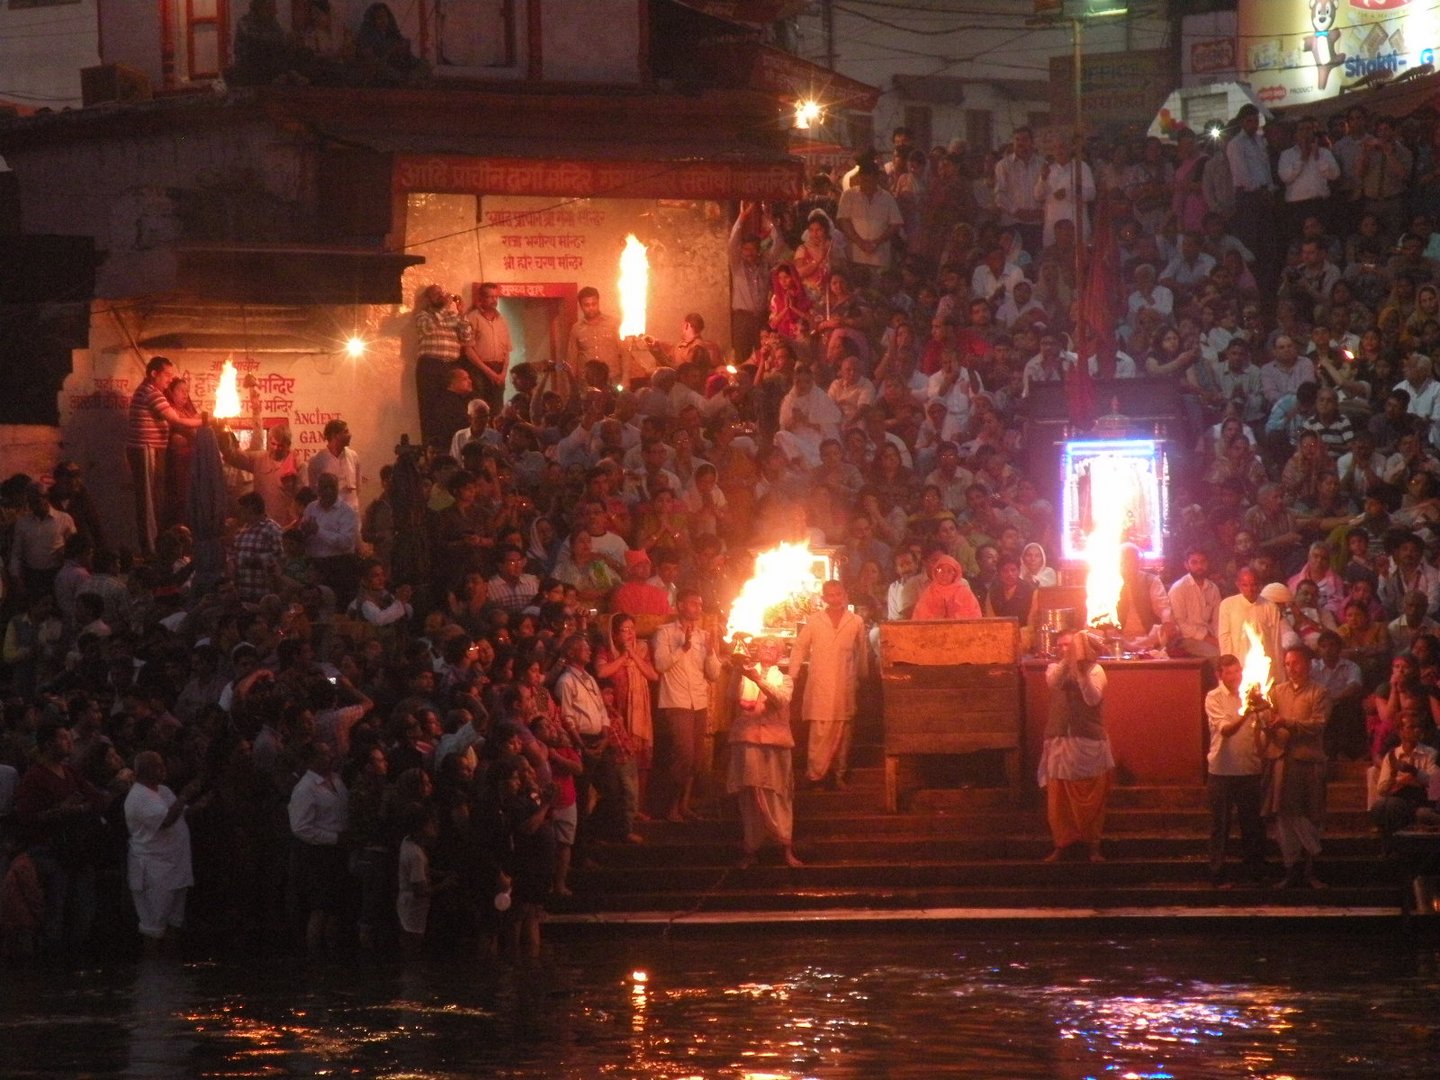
209	205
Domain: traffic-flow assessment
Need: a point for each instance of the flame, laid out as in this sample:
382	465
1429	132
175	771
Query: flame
783	574
1255	670
634	287
1108	510
227	394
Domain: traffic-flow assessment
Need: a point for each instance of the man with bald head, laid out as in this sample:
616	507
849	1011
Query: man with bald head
1247	608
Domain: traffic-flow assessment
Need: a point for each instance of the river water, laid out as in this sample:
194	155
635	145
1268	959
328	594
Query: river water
1320	1000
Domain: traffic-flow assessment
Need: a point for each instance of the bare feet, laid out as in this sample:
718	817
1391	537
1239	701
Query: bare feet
1054	856
791	859
747	860
561	890
634	838
1095	855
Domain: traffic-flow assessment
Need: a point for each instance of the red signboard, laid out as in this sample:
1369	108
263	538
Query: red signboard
777	180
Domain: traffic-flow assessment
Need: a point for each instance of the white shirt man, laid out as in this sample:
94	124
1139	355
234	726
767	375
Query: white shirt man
1195	607
338	460
870	217
1016	175
834	642
1248	608
1307	168
1055	191
332	527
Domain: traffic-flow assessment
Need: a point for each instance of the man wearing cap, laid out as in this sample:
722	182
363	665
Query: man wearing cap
1248	608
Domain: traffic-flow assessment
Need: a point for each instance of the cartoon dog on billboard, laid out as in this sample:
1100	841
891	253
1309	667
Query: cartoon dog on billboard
1321	44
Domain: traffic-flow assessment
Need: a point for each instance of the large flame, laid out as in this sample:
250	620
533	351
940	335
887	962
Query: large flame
1108	509
227	394
1255	672
634	287
783	575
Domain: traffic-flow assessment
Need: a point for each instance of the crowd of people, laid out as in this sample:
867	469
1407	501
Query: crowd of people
294	718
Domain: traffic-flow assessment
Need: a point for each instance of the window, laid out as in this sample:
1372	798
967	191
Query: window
862	129
979	130
918	120
471	34
206	41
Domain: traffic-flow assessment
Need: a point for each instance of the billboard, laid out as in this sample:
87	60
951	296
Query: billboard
1298	51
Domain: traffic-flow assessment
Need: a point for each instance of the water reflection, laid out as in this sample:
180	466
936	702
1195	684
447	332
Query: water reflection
768	1008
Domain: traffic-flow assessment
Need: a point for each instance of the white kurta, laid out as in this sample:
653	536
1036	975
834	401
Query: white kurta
159	861
838	657
807	420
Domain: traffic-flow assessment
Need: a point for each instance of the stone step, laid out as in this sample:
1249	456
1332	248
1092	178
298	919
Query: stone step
1192	895
868	822
904	850
1116	876
1344	795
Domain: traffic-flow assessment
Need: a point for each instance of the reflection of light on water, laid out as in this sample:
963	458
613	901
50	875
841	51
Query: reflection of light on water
1122	1026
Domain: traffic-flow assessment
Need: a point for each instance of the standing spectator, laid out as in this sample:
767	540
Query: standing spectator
870	218
749	279
488	350
319	816
1307	170
592	353
687	664
38	545
1016	175
340	461
1384	172
1249	161
61	809
834	643
1064	195
332	537
147	436
1233	773
443	334
159	862
760	772
258	550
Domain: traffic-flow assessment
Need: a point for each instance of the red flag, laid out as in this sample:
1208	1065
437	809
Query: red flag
1098	297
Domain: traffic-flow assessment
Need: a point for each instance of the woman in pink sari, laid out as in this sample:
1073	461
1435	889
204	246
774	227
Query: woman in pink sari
790	308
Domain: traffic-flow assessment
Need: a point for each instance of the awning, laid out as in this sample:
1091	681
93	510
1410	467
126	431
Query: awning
754	12
1397	98
752	66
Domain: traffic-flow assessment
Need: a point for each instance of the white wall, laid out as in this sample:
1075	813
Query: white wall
42	50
